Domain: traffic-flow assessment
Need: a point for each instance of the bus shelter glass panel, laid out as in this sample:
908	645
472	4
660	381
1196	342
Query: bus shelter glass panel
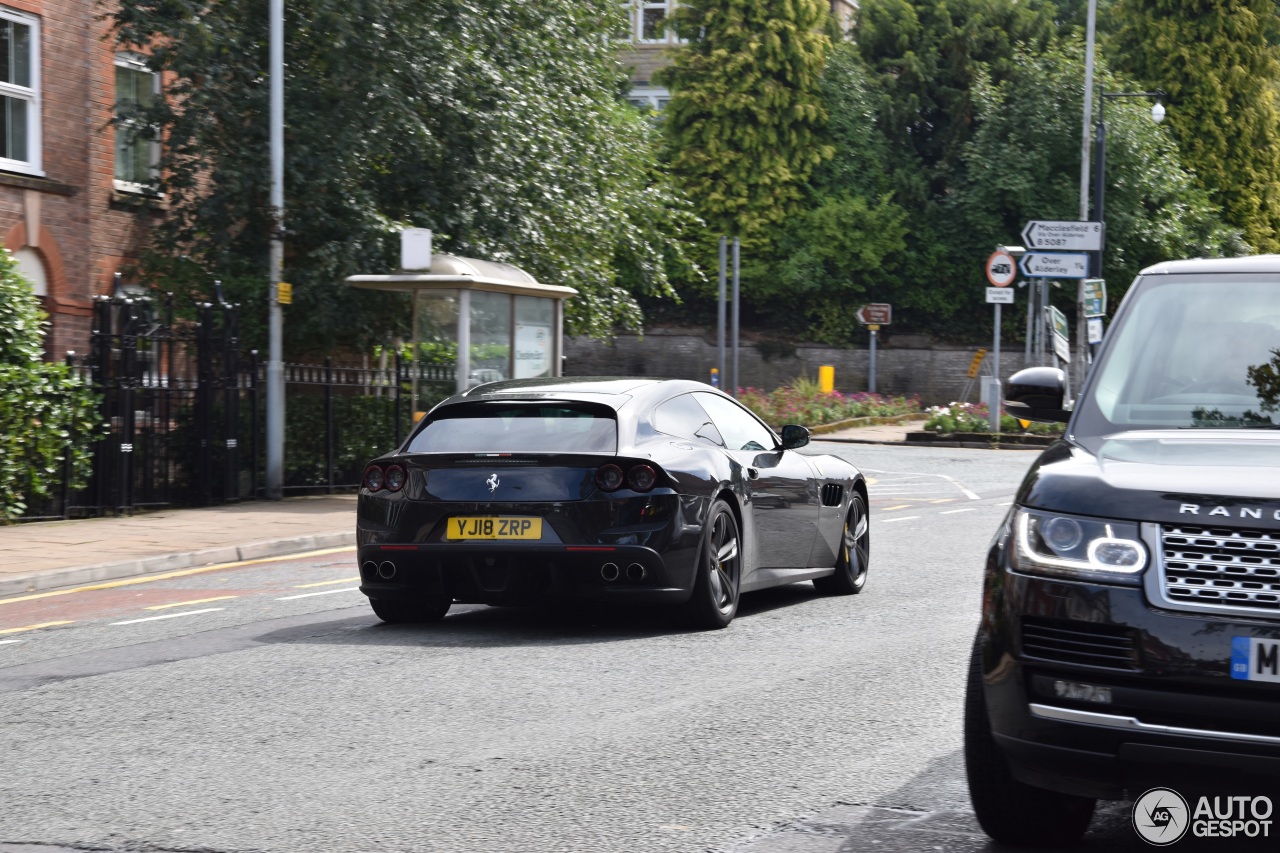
535	337
433	369
490	337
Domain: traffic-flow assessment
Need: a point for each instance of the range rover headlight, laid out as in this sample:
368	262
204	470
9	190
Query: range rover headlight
1049	543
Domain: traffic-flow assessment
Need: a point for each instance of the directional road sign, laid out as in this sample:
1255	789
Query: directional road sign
1062	236
875	314
1057	265
1000	269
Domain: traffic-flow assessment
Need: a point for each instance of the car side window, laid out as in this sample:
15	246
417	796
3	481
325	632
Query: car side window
741	429
683	417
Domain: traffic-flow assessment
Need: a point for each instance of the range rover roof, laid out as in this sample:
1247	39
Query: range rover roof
1251	263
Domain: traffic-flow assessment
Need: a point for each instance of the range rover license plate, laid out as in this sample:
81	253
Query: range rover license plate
1255	659
492	527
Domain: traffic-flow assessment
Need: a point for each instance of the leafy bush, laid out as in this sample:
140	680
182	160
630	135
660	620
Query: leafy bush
976	417
48	418
804	403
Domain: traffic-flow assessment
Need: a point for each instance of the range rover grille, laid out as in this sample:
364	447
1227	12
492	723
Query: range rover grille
1220	567
1085	643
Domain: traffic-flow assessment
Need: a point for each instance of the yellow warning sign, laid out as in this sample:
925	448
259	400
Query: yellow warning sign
976	363
284	293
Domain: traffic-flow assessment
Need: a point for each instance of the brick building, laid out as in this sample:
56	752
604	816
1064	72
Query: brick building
650	39
72	208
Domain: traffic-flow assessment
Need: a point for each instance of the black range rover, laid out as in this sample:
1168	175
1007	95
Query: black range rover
1130	632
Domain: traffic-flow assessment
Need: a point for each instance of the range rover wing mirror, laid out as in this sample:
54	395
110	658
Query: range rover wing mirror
1036	394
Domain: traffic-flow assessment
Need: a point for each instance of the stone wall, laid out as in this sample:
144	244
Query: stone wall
936	373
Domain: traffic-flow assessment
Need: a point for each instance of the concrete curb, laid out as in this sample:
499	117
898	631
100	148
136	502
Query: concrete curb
41	581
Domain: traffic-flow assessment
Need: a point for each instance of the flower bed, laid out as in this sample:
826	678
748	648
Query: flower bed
972	418
802	402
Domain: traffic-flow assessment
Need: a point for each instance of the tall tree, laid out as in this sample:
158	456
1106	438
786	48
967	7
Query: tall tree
745	119
927	55
499	126
1219	62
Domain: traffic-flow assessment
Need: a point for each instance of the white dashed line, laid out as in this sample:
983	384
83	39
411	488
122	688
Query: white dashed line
323	592
899	518
168	616
7	642
954	511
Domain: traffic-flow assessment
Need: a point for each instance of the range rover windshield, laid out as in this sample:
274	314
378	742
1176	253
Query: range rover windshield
1190	352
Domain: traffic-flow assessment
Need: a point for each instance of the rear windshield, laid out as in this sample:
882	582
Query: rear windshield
518	428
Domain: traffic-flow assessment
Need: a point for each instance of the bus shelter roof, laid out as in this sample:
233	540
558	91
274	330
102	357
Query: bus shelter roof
450	272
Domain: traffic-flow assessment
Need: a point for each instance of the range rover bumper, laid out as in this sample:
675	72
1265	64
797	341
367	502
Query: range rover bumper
1092	691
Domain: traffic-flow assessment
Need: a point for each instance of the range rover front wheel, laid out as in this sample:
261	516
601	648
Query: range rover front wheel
1008	810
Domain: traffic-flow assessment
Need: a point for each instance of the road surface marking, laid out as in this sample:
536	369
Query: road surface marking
179	574
322	592
35	627
954	511
186	603
899	518
326	583
899	506
942	501
7	642
168	616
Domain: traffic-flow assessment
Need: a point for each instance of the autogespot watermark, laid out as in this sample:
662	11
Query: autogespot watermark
1162	817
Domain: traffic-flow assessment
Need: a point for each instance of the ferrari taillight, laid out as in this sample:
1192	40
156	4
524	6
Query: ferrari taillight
374	479
639	477
395	478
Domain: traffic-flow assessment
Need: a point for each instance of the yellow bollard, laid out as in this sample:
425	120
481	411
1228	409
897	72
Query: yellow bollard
826	378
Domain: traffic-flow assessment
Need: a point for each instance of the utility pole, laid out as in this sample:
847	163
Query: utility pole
275	327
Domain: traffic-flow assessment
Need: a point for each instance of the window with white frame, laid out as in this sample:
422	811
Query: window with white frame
652	97
19	92
651	21
137	151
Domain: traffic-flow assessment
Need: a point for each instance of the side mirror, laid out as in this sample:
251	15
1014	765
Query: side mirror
1036	394
793	436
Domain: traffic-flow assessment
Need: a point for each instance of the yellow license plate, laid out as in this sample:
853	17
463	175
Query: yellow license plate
490	527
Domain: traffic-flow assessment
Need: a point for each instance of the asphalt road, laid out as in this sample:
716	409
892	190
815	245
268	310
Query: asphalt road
262	707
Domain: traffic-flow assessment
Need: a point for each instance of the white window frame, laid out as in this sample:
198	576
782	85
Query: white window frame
654	97
136	62
33	165
668	6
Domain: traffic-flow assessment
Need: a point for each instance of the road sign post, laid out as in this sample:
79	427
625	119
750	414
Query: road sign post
874	315
1001	271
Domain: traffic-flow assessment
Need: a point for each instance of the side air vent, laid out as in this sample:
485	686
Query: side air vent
1083	643
832	494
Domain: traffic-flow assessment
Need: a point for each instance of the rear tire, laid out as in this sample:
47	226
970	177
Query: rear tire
431	608
716	585
854	558
1010	811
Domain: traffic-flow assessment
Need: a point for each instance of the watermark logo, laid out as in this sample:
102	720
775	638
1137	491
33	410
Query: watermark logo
1160	816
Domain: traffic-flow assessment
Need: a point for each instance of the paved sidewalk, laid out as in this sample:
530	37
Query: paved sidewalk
49	554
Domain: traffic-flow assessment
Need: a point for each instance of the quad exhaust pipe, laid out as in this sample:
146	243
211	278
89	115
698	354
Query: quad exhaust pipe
610	572
387	570
636	572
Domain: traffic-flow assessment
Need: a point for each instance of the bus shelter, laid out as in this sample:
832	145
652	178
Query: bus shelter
478	321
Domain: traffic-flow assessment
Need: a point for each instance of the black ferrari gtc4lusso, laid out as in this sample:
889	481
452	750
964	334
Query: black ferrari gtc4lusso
604	489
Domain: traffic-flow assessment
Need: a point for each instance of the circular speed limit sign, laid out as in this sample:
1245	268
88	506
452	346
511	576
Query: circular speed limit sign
1001	270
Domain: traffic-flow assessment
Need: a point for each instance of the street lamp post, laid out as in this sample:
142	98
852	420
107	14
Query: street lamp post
1100	156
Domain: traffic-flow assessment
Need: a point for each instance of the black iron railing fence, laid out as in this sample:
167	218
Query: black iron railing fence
185	420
